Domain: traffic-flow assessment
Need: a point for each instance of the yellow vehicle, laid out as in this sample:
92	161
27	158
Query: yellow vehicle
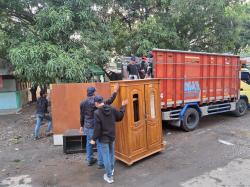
244	102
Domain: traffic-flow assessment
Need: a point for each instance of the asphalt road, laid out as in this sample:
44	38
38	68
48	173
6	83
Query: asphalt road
215	154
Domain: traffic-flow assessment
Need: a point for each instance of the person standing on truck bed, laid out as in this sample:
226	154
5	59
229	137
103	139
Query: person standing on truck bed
143	68
87	108
132	69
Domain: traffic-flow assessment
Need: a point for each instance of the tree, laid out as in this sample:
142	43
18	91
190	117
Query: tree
58	40
62	39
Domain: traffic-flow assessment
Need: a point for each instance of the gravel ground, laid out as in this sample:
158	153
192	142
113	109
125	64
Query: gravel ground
221	144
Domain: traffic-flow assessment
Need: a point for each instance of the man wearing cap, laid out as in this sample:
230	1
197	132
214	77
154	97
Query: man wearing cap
105	118
132	69
87	108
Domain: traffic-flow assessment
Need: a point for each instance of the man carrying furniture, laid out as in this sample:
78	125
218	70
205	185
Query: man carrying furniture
105	118
87	108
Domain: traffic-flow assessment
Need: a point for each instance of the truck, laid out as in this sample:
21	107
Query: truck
197	84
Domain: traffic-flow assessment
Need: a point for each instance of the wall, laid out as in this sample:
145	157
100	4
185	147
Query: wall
8	100
9	85
22	97
65	103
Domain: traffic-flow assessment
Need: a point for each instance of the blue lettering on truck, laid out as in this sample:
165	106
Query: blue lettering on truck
192	90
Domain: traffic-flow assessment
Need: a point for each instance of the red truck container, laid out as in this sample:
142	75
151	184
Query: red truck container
195	84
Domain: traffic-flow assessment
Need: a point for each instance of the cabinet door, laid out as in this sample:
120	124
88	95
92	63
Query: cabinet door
137	122
153	115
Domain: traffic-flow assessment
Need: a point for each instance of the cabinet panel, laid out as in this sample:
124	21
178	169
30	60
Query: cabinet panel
136	109
153	115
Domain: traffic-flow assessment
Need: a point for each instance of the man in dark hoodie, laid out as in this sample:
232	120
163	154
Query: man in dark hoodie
105	118
87	108
41	114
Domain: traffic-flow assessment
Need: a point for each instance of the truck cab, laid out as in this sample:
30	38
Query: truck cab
243	103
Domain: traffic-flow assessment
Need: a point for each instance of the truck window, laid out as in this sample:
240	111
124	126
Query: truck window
245	76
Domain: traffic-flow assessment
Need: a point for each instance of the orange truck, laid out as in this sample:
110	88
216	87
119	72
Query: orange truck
197	84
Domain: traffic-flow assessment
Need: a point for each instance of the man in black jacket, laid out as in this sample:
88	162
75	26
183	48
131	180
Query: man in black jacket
41	114
132	69
87	108
105	118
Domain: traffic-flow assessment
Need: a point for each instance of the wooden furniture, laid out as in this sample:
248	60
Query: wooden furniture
65	103
74	142
139	134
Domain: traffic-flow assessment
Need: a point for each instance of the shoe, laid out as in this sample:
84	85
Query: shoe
37	138
101	166
92	162
108	179
48	133
112	173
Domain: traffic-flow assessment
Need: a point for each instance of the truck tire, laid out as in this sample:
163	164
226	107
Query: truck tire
241	108
190	120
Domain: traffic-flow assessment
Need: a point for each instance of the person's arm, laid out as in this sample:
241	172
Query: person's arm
82	108
120	114
46	106
97	127
113	96
128	68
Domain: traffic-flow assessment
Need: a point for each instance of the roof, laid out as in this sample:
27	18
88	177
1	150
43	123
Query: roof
96	70
247	59
193	52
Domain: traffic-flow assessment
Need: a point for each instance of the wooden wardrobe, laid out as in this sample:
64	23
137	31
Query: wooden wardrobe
139	134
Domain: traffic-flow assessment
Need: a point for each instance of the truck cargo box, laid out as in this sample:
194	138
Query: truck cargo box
196	77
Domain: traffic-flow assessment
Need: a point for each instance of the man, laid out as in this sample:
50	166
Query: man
105	118
41	114
149	70
87	108
132	69
143	68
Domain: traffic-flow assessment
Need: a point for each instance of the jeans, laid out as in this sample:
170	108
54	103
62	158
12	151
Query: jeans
39	119
99	153
108	155
89	147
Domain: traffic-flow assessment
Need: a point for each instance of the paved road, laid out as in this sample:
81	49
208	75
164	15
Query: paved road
216	154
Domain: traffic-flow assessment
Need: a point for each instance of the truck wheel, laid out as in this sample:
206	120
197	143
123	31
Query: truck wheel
241	108
191	120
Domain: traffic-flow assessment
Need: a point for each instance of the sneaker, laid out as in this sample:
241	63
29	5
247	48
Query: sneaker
108	179
37	138
113	172
92	162
101	166
48	133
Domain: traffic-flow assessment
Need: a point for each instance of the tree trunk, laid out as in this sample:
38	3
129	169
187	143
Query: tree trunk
33	90
44	88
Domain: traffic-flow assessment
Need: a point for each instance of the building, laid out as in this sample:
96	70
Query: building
13	93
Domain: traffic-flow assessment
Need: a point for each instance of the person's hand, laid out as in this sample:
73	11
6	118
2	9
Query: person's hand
125	102
92	142
81	130
117	87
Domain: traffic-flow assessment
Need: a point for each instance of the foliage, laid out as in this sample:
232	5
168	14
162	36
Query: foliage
57	40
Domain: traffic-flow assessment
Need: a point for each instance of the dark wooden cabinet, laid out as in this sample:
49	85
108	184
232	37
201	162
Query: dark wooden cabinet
139	134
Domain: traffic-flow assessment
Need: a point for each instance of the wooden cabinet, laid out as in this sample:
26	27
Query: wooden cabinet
139	134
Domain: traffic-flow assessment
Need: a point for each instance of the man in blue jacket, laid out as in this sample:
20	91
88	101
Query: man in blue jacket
87	108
